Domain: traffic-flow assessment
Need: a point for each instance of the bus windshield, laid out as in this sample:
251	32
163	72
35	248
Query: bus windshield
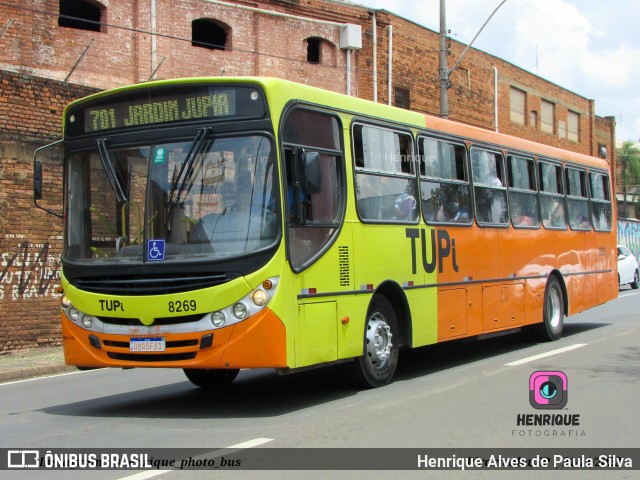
199	199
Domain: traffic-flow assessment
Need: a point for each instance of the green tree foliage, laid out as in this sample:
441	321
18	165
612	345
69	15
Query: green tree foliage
629	160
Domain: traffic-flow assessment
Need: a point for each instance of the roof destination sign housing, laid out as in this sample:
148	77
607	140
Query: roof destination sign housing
141	108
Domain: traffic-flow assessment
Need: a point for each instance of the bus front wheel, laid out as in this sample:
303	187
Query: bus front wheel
553	312
378	364
208	379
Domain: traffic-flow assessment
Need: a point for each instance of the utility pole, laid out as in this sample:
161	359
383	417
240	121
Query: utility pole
445	73
444	69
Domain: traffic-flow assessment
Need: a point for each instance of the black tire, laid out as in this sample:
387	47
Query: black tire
209	379
553	312
375	368
636	281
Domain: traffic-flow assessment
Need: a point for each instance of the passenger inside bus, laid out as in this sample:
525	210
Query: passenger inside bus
451	210
519	214
405	207
556	216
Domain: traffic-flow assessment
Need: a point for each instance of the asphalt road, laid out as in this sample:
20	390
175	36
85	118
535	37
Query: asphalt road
455	395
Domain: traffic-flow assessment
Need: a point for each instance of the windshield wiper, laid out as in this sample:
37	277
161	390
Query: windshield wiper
111	173
186	170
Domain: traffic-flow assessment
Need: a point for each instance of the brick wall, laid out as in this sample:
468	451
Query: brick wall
30	239
260	44
121	53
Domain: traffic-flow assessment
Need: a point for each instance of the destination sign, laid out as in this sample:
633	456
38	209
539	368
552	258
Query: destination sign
160	106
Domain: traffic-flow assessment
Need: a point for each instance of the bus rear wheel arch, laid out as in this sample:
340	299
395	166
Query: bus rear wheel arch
210	378
377	365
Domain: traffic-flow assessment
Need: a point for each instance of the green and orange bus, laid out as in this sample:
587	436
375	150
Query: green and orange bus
217	224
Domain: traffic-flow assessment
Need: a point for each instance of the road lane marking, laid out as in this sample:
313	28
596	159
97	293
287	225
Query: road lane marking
239	446
250	443
545	355
627	294
147	474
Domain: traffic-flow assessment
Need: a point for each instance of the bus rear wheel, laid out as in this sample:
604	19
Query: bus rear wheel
209	379
378	364
553	312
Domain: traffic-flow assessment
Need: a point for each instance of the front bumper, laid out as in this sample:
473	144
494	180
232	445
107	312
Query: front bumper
257	342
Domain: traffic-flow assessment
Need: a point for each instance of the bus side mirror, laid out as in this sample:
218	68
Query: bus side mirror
312	173
37	181
38	177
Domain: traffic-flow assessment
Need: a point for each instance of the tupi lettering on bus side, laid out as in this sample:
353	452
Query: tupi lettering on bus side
437	248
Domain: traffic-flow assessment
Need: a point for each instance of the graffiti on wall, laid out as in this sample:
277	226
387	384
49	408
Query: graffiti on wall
29	271
629	235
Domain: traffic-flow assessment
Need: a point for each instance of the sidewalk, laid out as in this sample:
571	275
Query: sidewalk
32	363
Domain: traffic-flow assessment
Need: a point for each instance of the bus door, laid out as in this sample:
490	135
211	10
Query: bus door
314	196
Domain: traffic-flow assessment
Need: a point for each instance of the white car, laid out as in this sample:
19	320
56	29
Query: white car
627	268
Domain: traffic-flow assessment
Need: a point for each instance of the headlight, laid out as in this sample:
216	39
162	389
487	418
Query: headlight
246	307
74	314
259	297
218	319
240	310
64	301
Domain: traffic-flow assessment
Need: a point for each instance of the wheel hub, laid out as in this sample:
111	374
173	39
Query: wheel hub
378	341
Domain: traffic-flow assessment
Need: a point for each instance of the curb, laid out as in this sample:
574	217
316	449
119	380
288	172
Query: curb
11	375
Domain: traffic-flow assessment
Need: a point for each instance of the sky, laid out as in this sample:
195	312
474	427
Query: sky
590	47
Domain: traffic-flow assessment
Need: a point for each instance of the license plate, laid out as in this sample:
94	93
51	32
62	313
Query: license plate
147	344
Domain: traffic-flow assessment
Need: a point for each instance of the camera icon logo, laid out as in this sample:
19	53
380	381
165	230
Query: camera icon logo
548	390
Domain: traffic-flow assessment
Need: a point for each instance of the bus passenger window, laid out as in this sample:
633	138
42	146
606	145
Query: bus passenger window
444	182
523	193
386	188
577	199
600	202
552	196
489	191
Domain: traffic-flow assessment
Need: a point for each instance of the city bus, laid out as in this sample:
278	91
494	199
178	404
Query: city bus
220	224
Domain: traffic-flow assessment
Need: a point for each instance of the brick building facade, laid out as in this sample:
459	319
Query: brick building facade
48	59
30	240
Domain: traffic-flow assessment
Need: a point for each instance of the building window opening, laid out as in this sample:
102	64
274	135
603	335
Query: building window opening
402	98
548	116
210	34
517	106
313	49
80	14
573	127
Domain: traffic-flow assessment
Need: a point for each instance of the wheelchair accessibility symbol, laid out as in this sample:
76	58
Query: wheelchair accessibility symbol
155	250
